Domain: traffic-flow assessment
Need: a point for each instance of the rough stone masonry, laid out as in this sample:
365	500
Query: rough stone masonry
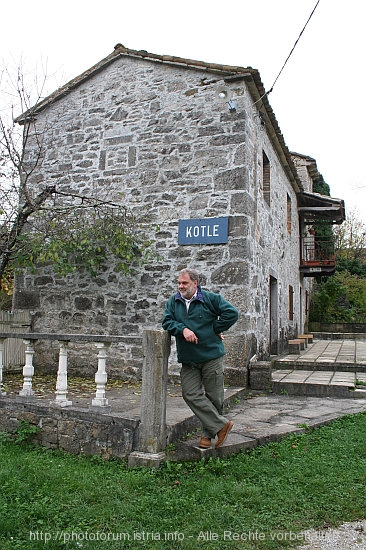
160	137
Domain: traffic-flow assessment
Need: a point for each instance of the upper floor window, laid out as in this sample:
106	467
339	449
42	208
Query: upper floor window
289	215
266	177
290	303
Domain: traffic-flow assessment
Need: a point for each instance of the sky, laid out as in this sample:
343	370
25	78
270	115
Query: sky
317	98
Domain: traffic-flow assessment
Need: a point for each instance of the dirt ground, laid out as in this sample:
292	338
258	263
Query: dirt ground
347	537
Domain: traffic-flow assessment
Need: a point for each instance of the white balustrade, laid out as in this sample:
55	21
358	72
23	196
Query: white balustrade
101	376
61	383
28	370
156	349
100	400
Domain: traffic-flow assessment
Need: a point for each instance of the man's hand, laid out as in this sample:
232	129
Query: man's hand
190	336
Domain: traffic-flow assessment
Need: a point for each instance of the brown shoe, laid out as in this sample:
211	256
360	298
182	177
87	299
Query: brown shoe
223	433
205	443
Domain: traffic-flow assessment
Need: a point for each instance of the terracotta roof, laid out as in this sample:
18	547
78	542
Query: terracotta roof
226	72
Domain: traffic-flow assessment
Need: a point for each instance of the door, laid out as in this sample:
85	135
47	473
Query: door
273	311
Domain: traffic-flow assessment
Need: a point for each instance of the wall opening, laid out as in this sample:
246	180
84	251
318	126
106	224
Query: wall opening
290	303
289	214
273	311
266	177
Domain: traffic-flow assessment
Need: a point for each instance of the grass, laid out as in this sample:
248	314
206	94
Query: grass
257	500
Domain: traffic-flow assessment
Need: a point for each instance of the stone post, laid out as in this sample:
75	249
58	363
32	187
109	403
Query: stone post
152	429
28	371
2	345
100	399
61	383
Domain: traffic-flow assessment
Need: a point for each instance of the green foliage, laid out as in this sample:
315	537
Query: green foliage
324	230
86	239
304	481
340	299
353	266
320	186
4	438
25	431
6	290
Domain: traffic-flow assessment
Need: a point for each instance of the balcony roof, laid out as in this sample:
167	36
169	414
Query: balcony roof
316	208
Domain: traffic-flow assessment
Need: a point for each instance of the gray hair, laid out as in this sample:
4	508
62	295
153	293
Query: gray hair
192	273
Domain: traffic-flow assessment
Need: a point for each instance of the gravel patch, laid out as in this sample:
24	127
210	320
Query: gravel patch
345	537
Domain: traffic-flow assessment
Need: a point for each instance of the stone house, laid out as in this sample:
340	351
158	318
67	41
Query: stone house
196	146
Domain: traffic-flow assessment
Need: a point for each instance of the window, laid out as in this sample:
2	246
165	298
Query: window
289	223
290	303
266	176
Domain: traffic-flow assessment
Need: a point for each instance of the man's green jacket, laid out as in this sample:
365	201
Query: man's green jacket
209	315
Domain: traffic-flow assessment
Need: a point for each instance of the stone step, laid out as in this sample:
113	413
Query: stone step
326	355
179	425
260	419
319	365
319	383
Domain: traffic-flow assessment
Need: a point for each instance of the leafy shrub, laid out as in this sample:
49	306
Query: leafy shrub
340	299
25	431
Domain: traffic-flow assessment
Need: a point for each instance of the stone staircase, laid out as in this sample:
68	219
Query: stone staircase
325	368
319	383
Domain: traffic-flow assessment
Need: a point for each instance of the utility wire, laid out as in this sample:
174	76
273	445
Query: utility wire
289	55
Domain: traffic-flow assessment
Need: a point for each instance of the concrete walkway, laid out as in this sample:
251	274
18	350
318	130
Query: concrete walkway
260	419
327	368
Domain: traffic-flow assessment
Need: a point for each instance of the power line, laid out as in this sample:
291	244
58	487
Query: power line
289	55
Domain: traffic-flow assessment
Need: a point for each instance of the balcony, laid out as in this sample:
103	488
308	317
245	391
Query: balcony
317	256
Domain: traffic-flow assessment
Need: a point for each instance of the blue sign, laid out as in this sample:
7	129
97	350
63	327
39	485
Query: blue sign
203	231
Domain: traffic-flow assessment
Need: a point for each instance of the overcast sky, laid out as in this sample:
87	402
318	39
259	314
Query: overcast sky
317	100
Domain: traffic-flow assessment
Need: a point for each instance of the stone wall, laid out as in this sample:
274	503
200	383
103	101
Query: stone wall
73	430
342	328
161	137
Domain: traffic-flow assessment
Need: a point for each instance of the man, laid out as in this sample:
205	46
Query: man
197	318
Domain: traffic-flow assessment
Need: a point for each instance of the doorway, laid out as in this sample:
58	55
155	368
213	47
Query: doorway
273	312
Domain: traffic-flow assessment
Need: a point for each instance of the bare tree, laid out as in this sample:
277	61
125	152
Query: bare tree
351	238
39	223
